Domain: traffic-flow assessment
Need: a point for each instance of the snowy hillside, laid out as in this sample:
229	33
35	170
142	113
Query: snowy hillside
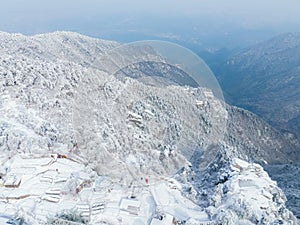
55	189
56	46
71	133
237	192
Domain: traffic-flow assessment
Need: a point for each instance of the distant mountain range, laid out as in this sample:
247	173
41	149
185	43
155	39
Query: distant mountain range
263	78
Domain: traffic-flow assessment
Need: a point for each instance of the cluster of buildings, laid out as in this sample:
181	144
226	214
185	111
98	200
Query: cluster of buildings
38	187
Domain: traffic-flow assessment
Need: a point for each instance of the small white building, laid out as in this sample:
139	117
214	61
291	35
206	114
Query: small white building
46	179
83	209
60	180
135	118
208	94
201	104
56	191
51	198
52	195
12	181
131	206
97	207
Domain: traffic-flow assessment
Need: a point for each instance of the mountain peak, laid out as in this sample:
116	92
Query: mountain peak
129	129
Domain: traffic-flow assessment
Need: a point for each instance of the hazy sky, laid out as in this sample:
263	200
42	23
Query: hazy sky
93	16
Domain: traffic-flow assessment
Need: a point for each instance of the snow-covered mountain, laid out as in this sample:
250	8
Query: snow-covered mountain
121	125
237	192
56	46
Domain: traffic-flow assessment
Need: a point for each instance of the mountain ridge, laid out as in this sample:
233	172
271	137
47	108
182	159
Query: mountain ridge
41	120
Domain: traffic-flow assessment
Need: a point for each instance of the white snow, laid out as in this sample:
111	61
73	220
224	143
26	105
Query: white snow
39	199
250	196
48	172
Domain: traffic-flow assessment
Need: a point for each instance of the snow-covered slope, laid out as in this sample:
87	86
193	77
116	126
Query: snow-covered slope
57	46
57	188
237	192
134	130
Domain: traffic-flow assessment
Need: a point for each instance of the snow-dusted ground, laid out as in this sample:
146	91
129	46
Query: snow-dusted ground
133	129
56	184
249	195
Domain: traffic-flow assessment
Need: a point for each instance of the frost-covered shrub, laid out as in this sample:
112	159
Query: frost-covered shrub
70	217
